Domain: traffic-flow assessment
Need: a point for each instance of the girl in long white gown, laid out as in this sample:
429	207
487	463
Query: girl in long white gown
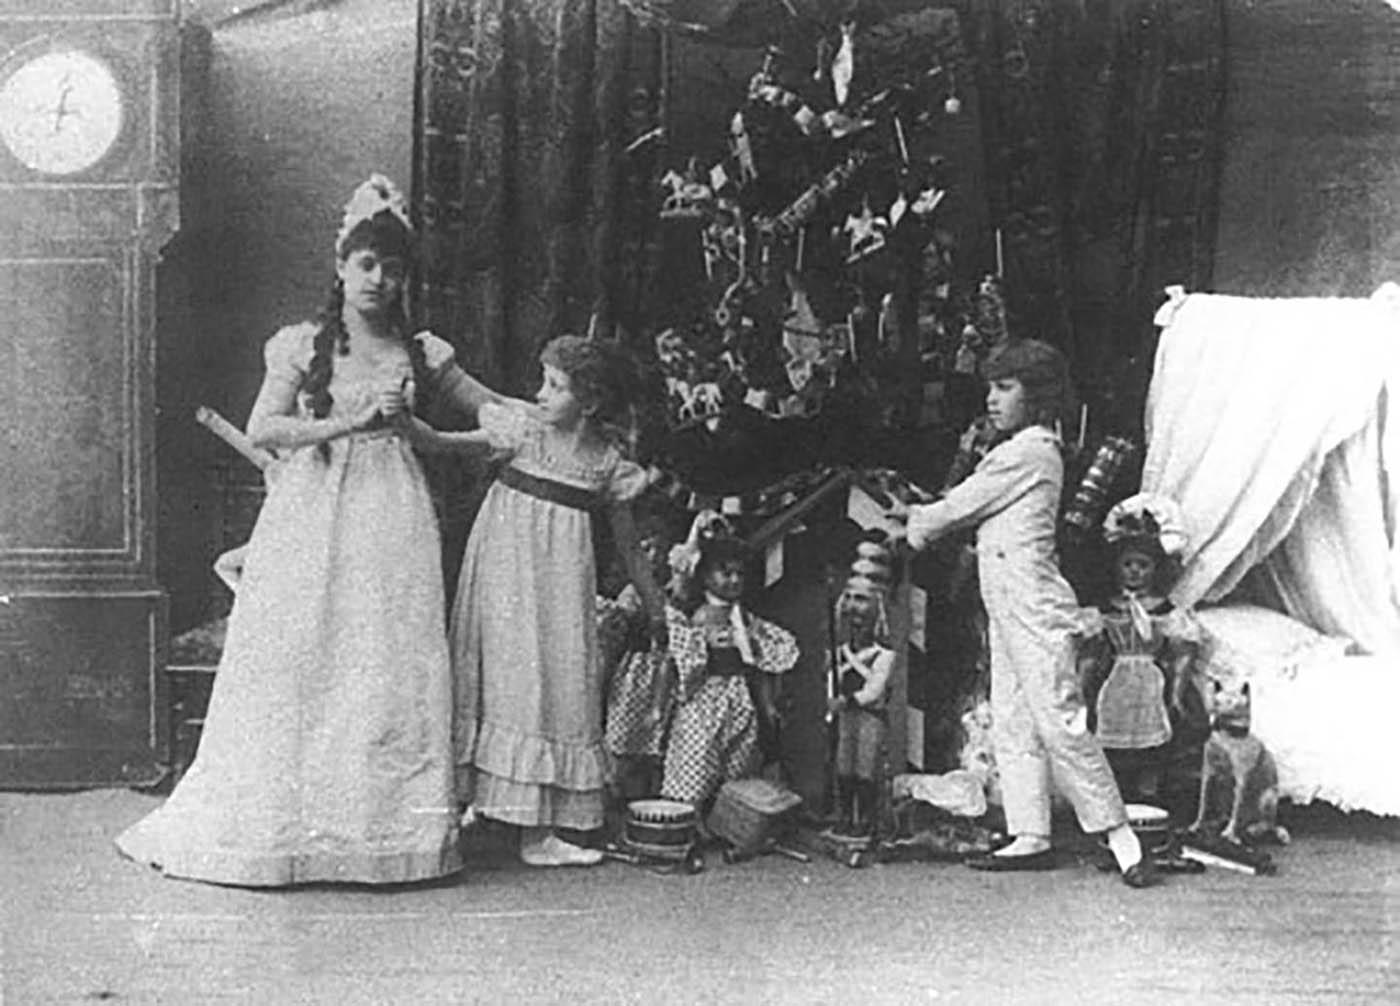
326	752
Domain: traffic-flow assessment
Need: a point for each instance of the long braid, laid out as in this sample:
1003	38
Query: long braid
417	358
331	338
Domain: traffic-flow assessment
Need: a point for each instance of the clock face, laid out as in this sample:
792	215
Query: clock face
60	112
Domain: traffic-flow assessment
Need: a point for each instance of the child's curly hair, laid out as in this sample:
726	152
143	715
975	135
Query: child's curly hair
599	373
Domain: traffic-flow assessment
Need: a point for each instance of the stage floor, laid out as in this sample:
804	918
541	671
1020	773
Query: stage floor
84	925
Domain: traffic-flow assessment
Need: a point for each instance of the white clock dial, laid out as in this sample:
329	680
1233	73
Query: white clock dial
60	112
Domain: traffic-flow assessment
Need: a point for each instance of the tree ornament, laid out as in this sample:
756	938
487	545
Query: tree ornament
843	67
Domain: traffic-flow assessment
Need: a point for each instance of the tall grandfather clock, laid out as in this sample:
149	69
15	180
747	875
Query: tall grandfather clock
88	197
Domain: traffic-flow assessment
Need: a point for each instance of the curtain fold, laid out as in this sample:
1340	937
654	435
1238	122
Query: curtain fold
524	114
1102	124
1265	422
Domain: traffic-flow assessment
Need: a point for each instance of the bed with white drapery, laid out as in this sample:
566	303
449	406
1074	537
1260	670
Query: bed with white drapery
1273	422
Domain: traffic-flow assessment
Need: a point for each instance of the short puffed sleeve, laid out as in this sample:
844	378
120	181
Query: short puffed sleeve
437	353
510	427
626	482
287	355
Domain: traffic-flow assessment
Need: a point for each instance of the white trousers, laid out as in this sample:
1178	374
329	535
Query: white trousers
1040	730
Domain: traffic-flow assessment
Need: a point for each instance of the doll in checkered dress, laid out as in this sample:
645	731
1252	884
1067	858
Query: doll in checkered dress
728	665
639	675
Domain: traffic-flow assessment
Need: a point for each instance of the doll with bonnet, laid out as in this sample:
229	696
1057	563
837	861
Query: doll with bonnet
1138	650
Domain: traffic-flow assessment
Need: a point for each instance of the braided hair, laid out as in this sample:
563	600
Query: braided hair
385	235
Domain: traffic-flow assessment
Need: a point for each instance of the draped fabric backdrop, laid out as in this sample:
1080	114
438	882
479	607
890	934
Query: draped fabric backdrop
1102	121
524	110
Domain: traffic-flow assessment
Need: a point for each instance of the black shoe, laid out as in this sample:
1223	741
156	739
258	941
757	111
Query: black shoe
1043	860
1143	873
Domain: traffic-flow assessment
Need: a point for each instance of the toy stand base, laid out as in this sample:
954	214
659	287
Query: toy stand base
732	854
684	860
854	851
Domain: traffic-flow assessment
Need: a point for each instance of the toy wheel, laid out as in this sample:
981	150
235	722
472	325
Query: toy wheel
858	859
694	863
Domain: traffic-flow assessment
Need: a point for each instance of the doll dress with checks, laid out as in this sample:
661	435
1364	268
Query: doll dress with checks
1131	704
640	694
714	734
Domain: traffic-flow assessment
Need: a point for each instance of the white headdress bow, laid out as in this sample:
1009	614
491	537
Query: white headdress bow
374	196
1148	514
685	557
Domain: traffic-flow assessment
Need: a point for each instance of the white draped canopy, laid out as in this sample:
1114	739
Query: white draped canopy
1269	421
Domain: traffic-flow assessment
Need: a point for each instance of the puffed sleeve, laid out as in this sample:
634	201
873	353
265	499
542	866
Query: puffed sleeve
287	355
626	482
509	426
1006	474
776	648
437	353
450	380
286	359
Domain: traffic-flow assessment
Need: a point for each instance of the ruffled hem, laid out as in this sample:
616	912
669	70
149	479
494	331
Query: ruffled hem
511	754
533	806
256	868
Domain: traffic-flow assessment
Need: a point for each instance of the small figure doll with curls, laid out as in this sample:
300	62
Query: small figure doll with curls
1138	651
728	664
860	680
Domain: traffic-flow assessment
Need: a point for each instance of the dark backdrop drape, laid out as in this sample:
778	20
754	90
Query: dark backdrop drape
1102	124
524	110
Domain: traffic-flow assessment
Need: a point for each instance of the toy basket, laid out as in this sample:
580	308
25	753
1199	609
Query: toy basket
751	813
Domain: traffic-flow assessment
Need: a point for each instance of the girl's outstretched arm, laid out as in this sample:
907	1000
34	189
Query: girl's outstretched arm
430	440
467	394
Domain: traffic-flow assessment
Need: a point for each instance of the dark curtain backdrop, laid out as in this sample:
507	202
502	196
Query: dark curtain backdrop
1102	124
524	110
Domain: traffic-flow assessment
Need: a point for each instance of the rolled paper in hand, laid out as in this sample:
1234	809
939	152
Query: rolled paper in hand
232	436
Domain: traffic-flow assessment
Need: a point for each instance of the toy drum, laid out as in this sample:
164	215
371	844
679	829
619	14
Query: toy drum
667	824
1151	824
